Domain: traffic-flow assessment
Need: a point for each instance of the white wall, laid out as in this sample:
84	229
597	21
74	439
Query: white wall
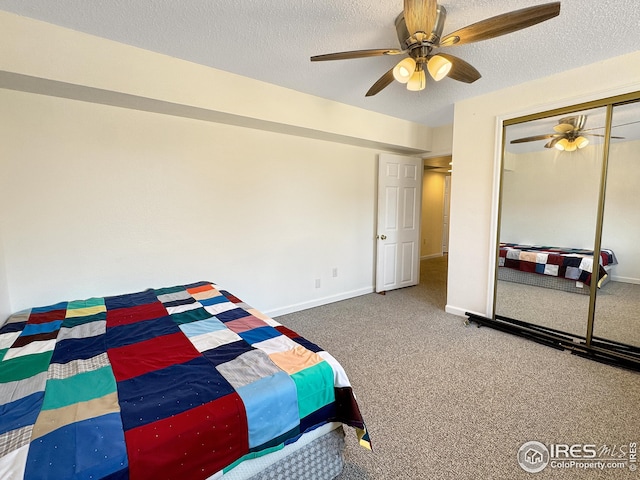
551	198
621	224
473	202
5	304
100	200
432	214
258	188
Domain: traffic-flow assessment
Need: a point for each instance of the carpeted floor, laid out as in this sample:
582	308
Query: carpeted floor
447	401
616	316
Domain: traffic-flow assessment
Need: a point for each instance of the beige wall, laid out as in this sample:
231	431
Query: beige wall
474	186
122	169
432	214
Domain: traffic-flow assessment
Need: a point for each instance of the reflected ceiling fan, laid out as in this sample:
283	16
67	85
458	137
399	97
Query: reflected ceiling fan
569	135
419	28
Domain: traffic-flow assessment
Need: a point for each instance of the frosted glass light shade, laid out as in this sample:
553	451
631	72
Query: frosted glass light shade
562	144
439	67
404	69
581	142
418	81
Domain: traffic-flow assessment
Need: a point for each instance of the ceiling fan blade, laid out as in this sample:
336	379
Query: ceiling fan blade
553	142
461	70
382	83
356	54
536	137
502	24
564	127
597	135
420	15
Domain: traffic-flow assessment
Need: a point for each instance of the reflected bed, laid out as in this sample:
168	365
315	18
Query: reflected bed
568	269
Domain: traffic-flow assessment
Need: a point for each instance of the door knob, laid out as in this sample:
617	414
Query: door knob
382	237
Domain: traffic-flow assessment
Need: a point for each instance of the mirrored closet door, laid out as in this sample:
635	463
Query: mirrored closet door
567	256
549	203
618	298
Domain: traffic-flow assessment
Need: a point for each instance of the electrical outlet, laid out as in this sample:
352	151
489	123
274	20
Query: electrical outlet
335	271
317	283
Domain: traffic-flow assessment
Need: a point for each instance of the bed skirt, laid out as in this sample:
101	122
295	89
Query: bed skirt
546	281
317	454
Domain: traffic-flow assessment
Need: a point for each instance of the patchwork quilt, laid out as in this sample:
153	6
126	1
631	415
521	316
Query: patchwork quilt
571	263
177	383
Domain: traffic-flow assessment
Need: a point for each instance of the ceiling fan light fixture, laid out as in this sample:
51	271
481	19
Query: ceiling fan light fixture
581	142
418	81
405	68
439	67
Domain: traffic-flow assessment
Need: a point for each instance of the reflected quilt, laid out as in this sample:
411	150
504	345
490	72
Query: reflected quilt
570	263
182	382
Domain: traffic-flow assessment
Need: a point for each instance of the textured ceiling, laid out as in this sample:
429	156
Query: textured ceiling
273	40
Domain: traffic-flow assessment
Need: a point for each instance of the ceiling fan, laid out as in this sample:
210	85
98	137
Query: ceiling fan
419	28
569	135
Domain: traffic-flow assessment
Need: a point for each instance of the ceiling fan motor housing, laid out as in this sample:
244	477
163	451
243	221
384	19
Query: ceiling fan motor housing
408	41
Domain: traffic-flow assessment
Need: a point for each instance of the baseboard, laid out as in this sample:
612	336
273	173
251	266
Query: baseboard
433	255
461	312
616	278
276	312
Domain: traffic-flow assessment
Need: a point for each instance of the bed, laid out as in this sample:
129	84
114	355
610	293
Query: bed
568	269
179	382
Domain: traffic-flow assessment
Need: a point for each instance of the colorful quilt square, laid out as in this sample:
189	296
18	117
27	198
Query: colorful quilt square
227	352
276	344
261	334
131	300
245	323
24	367
20	413
229	315
191	316
83	308
247	368
140	331
74	367
215	339
18	389
140	313
84	330
209	437
315	388
201	327
78	388
215	306
153	354
92	448
49	308
70	322
295	360
272	407
78	348
162	393
182	307
50	420
31	348
47	316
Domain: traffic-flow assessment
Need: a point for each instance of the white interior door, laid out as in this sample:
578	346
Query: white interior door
399	202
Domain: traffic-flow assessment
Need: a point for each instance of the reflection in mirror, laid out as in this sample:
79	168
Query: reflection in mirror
549	199
618	302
